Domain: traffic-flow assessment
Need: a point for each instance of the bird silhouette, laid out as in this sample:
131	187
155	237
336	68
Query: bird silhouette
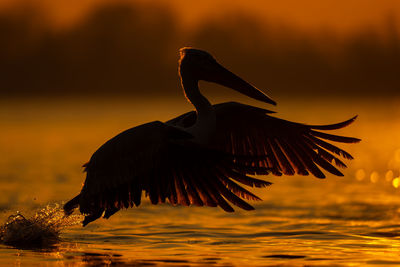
204	157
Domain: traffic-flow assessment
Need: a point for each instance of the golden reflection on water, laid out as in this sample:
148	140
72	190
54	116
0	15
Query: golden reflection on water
302	220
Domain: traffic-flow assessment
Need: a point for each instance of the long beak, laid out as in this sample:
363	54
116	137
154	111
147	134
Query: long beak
226	78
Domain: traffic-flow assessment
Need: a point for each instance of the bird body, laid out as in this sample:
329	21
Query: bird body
202	157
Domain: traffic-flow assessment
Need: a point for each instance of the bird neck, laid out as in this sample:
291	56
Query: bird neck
205	125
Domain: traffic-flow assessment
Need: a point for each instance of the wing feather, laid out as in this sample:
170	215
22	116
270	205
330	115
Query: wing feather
237	189
182	195
192	191
325	154
209	183
330	147
296	163
206	197
307	160
279	145
245	179
336	138
233	198
319	160
284	164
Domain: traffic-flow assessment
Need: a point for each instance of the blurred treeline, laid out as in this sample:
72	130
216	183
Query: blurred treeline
129	49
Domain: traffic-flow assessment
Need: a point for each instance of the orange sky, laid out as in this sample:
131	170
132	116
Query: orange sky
338	15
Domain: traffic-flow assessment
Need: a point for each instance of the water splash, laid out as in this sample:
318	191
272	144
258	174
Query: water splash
42	230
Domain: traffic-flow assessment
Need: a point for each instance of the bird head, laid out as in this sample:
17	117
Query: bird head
198	65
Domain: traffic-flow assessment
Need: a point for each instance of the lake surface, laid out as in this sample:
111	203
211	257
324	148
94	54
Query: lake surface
302	221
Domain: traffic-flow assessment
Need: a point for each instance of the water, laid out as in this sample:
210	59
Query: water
42	230
349	221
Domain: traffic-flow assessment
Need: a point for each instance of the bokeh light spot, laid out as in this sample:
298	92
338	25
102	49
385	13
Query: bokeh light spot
374	177
396	182
360	174
389	176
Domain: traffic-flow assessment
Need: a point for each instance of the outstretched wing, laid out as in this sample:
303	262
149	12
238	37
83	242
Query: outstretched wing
162	161
281	146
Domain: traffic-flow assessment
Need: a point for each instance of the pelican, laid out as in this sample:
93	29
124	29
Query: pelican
204	157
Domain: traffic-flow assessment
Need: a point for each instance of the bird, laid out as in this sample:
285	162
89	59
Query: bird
208	156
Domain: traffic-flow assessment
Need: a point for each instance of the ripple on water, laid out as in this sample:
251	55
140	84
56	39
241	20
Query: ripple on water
284	256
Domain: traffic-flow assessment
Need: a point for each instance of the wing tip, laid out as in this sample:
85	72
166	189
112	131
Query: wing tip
335	126
71	205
